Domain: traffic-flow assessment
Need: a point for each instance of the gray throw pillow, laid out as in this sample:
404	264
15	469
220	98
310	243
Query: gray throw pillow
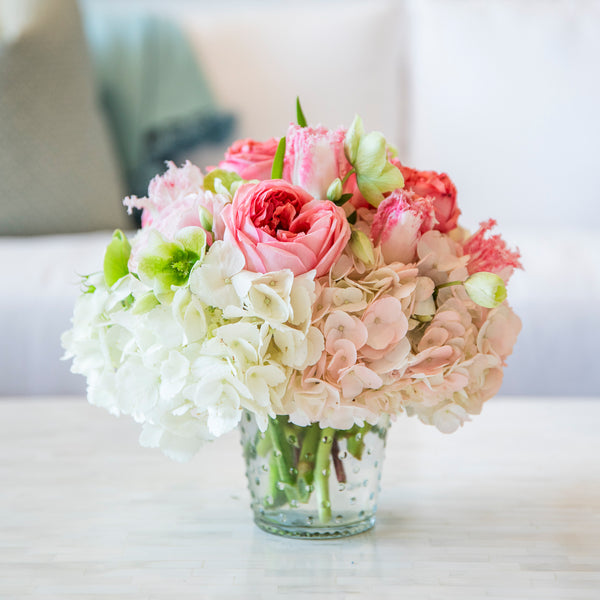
58	173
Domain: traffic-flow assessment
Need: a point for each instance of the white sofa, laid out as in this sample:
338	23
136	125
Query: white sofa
501	95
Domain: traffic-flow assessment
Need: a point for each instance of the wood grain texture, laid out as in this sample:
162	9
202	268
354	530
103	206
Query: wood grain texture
506	508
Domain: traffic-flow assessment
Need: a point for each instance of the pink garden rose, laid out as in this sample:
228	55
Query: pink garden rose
250	159
439	188
314	157
398	224
278	226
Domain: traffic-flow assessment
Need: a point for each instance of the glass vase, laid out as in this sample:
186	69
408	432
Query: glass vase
308	482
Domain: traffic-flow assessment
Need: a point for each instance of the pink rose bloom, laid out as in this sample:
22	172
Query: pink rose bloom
250	159
398	224
278	226
314	158
490	253
439	188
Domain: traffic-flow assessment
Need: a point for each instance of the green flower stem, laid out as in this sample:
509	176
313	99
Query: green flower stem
277	496
283	454
307	459
356	441
347	175
291	434
322	474
448	284
263	445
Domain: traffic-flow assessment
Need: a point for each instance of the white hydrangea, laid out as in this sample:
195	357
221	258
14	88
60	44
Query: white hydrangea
187	365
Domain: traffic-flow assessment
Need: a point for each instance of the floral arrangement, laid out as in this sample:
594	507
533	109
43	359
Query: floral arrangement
313	277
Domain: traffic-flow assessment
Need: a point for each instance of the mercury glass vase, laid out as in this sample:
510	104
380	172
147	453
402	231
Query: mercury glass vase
308	482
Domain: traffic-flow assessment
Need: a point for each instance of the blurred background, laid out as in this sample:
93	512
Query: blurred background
503	95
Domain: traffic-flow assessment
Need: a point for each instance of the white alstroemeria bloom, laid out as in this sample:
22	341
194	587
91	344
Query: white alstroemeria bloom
102	390
189	313
159	326
349	299
296	349
302	298
211	281
217	394
265	296
174	372
127	285
178	433
306	400
265	385
449	417
137	388
357	378
395	359
243	339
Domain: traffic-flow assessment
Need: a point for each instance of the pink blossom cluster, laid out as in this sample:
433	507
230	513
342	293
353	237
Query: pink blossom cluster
379	357
393	339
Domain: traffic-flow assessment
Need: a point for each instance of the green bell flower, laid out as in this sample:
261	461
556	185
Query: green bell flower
375	175
163	264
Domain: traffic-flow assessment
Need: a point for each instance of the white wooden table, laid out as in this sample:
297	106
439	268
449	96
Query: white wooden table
508	507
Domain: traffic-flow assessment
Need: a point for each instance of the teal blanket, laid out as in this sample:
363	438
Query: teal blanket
157	100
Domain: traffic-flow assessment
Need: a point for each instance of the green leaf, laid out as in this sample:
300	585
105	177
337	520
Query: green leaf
116	258
228	178
352	218
352	139
343	199
277	171
299	114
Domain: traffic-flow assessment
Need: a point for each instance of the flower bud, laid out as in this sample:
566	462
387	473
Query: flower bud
334	191
486	289
116	258
206	219
362	247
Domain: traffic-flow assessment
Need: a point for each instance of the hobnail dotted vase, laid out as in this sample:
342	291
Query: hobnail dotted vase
308	482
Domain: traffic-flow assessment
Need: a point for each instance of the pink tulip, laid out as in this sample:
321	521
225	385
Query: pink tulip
314	158
398	224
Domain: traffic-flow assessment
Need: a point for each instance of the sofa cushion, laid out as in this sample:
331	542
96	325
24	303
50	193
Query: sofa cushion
57	169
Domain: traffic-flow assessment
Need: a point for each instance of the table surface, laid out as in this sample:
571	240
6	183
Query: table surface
508	507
